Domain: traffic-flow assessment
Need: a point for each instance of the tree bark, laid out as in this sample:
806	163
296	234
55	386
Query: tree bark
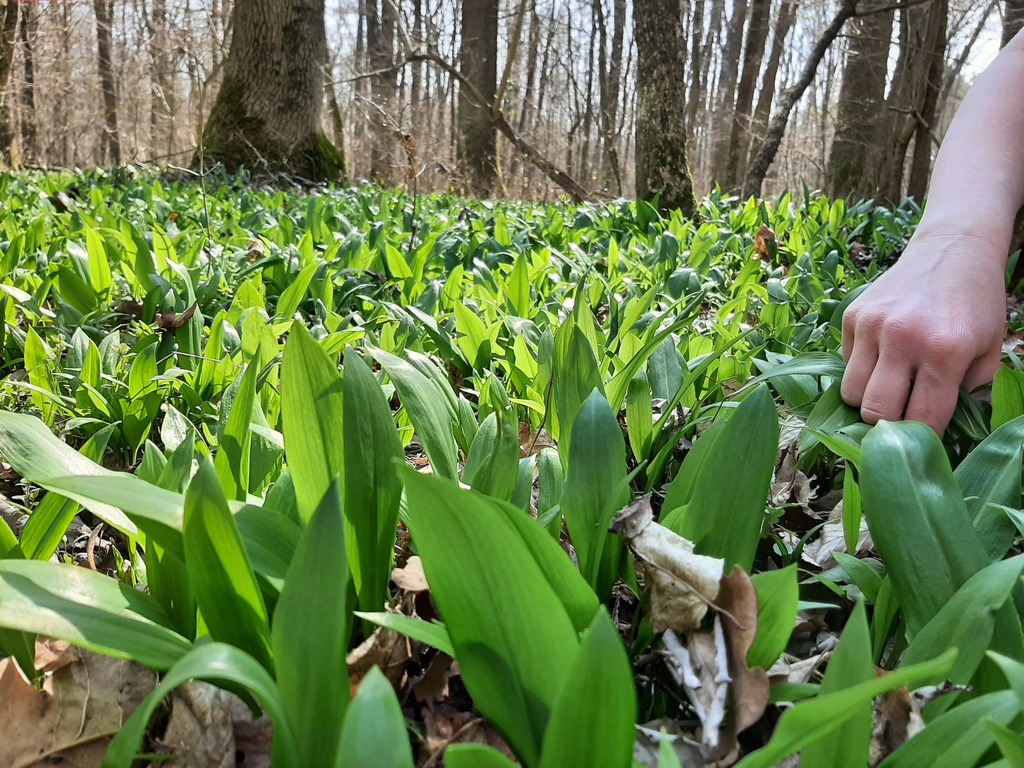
27	25
777	127
268	110
855	154
380	44
104	45
787	17
8	40
661	167
727	76
753	55
1013	19
478	63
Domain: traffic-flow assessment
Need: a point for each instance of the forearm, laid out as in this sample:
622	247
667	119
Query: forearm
978	181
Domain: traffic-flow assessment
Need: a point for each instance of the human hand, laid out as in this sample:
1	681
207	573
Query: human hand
934	320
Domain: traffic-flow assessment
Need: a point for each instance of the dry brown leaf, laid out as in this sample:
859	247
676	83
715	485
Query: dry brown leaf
750	687
211	727
533	442
832	538
385	649
71	721
897	719
411	577
684	743
433	686
681	585
764	239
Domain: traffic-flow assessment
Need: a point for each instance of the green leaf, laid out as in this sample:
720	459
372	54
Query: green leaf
219	569
475	756
310	634
721	516
967	620
959	737
430	633
592	722
492	466
850	664
1007	396
372	488
54	514
639	416
311	410
232	461
512	636
293	295
427	411
867	579
777	596
374	732
1011	743
817	718
991	475
219	664
595	489
918	519
89	610
576	376
829	415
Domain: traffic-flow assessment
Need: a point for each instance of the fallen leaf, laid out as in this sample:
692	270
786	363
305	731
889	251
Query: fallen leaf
897	720
212	727
648	742
700	667
385	649
71	721
433	686
750	687
411	577
680	584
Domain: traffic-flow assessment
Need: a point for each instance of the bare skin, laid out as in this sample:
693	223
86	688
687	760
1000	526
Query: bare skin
936	319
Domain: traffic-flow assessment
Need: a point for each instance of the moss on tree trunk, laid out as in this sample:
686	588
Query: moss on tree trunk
268	110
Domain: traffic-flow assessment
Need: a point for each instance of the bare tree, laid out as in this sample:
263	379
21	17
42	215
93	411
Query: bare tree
111	141
753	55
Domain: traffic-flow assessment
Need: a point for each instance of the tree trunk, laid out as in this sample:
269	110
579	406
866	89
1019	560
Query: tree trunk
935	55
753	55
29	148
763	111
1013	19
380	45
661	167
728	74
267	113
861	111
162	99
8	39
777	127
478	63
696	86
104	45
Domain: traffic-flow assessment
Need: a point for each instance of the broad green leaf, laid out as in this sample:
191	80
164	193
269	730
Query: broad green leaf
1007	396
991	475
38	361
372	488
311	410
829	415
89	610
639	416
430	633
595	489
512	636
475	756
867	579
777	598
819	717
427	410
592	722
219	569
492	466
220	664
1011	743
959	737
576	376
853	511
50	519
374	732
293	295
235	440
270	540
724	517
850	664
310	634
967	620
918	519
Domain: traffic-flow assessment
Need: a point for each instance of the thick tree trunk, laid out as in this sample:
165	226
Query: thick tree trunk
162	99
935	55
104	45
1013	19
478	63
380	44
267	113
661	167
8	39
786	18
855	154
753	55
